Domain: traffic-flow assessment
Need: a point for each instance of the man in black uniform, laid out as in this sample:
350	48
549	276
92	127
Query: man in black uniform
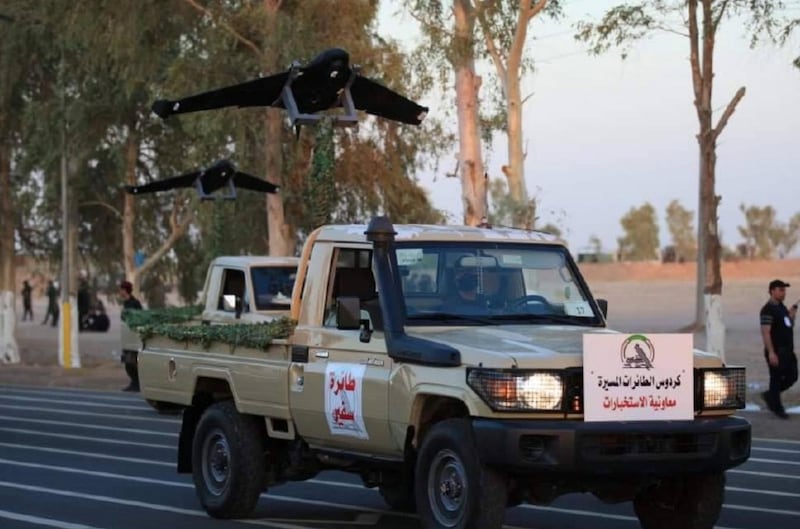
777	331
130	302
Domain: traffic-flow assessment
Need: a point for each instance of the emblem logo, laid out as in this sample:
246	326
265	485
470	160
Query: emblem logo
637	352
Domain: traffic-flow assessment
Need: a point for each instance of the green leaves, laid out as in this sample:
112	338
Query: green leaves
251	335
143	318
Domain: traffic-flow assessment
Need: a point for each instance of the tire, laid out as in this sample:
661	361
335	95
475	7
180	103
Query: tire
165	408
228	461
689	502
453	489
399	495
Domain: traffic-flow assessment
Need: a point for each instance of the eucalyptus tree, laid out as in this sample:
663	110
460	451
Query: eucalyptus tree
697	21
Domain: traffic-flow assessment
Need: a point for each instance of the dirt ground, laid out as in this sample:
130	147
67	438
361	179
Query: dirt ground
644	297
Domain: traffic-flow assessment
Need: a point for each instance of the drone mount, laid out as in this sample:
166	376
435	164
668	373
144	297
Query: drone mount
297	118
230	195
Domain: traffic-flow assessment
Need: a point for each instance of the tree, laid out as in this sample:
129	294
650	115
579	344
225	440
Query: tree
504	26
764	236
698	21
450	48
681	230
640	242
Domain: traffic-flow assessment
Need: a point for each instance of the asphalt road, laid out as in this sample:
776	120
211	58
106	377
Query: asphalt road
75	459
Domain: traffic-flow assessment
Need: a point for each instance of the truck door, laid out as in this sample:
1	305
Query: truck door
344	403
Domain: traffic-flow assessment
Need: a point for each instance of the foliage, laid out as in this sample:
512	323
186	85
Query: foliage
764	235
149	317
253	335
640	242
682	231
505	211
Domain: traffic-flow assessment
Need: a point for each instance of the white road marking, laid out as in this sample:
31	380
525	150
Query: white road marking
761	491
776	450
64	392
763	474
89	439
62	411
72	402
768	440
87	454
134	503
38	520
137	431
773	461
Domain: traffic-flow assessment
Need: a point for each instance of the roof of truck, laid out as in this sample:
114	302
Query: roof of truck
436	232
244	261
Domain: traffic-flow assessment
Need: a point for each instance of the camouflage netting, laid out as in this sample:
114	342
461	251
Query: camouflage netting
253	335
141	318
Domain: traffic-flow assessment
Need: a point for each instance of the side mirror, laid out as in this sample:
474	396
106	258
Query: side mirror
232	302
348	313
603	304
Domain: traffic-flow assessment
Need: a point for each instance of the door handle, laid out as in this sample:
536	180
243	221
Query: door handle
321	354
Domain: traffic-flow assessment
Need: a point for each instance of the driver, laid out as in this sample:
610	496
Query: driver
467	285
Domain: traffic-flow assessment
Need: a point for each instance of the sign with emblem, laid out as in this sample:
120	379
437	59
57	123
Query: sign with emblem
638	377
344	399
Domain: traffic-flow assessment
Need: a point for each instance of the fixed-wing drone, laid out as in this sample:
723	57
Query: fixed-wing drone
207	181
327	82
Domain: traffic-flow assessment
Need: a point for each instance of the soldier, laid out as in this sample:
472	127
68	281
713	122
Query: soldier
27	312
129	302
777	332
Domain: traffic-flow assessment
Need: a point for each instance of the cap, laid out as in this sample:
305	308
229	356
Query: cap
127	286
777	283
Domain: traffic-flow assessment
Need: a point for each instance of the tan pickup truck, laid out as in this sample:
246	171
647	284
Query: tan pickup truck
461	371
237	288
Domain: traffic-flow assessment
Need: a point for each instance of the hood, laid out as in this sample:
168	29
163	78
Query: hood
525	346
521	346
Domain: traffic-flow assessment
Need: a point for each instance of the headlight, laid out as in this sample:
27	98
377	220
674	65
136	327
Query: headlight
723	388
518	390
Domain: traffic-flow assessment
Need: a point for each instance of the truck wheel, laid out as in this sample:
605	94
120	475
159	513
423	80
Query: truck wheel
690	502
453	488
228	461
399	495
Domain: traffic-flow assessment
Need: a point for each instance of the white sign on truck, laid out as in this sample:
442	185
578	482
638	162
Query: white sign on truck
638	377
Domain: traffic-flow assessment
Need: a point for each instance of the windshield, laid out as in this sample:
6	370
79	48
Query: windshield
272	286
489	283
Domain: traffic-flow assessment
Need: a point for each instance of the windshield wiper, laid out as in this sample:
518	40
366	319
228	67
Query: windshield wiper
442	316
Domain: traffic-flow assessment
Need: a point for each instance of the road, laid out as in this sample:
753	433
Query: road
75	459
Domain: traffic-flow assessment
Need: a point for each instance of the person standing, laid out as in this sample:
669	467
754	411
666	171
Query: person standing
129	358
27	310
52	303
777	333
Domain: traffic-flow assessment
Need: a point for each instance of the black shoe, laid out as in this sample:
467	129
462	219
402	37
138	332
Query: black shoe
131	387
781	413
768	401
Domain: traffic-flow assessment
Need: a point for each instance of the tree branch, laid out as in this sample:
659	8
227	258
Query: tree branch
729	110
177	230
106	205
227	27
491	45
720	13
534	8
694	59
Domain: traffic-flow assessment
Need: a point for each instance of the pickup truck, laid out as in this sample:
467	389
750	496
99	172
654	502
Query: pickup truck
237	288
444	365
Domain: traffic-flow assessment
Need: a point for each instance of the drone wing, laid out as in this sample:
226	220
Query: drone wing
184	180
253	183
260	92
374	98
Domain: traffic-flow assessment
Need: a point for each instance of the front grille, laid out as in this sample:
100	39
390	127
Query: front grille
632	445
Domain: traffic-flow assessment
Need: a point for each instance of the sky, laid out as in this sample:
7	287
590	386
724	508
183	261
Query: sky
604	134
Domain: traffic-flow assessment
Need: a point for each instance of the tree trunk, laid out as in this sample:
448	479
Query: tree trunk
515	171
129	210
9	352
68	344
281	236
467	85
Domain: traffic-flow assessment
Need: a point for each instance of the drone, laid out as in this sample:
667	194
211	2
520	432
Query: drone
207	181
326	82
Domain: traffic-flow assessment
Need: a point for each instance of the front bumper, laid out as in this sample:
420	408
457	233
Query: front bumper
604	448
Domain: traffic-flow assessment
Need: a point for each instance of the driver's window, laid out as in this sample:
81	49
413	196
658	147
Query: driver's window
233	288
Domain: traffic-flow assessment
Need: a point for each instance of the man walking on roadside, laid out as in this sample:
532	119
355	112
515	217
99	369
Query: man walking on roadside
129	302
777	332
